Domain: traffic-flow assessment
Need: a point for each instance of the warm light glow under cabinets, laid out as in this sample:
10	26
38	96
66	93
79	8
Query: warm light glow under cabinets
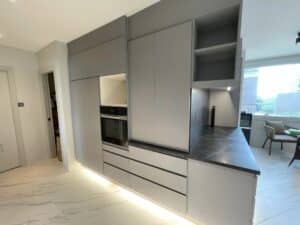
140	202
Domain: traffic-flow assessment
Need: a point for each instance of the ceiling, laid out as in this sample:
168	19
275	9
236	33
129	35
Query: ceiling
33	24
270	27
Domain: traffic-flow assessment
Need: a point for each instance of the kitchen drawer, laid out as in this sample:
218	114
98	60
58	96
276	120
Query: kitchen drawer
170	180
163	161
116	160
159	194
116	150
117	175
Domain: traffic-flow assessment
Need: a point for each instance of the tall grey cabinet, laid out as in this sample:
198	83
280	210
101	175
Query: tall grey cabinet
98	53
160	74
86	122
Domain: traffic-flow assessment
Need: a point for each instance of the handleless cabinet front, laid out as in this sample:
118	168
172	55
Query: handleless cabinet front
106	58
173	85
86	122
159	85
142	89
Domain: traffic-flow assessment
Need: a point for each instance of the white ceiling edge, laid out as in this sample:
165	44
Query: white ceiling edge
269	28
128	14
32	25
288	59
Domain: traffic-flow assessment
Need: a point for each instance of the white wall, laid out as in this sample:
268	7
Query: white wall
226	109
54	58
24	66
258	134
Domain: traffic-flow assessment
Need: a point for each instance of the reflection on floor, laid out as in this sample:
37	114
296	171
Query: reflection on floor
278	192
45	194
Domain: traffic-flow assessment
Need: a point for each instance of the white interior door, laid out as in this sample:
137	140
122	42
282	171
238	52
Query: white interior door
8	142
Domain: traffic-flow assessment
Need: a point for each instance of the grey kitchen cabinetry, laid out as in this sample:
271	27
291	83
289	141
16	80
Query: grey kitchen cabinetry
107	58
86	122
142	89
173	82
156	176
219	195
160	67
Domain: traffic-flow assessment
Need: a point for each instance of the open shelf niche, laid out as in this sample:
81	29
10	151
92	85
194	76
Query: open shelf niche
216	46
216	51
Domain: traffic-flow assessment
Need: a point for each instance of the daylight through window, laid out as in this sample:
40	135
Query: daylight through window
272	90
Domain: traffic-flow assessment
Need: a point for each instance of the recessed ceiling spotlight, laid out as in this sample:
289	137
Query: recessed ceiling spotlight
13	1
229	88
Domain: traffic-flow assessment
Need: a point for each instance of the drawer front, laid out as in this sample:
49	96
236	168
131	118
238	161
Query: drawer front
166	162
117	175
159	194
173	181
118	151
116	160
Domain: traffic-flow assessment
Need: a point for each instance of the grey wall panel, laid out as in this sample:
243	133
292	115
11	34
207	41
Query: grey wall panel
108	58
142	89
170	12
99	36
160	74
173	64
86	122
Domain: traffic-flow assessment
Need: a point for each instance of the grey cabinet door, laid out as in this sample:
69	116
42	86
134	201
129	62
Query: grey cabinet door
173	63
86	122
108	58
159	86
142	89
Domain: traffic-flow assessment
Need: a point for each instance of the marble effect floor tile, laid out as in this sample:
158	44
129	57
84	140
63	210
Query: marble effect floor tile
45	194
278	190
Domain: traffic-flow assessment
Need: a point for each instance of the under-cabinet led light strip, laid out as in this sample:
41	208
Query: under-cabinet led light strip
145	204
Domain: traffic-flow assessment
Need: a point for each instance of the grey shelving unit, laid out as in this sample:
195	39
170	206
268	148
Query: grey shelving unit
216	43
217	66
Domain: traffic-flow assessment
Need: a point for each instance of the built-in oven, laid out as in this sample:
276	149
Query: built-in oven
114	125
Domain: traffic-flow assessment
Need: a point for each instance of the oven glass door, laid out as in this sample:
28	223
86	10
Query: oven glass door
114	131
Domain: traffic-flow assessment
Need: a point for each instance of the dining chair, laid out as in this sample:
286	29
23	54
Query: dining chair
275	133
297	152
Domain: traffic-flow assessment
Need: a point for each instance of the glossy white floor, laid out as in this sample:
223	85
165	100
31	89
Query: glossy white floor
278	191
45	194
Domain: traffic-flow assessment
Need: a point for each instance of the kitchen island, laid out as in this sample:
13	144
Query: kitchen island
222	146
221	175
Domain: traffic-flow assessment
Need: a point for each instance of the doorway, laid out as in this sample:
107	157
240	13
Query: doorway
52	115
9	157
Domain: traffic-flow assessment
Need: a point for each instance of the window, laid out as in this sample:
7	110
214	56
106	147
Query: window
272	90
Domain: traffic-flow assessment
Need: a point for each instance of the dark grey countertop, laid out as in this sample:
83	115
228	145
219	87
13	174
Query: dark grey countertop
222	146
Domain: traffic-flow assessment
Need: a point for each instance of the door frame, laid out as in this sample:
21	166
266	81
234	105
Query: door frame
16	114
47	100
47	70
